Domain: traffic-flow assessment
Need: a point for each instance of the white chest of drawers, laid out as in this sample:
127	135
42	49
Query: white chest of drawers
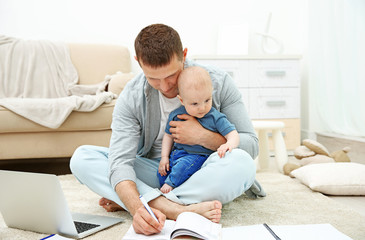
270	88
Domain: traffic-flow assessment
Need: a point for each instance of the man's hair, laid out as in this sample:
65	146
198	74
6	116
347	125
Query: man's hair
157	44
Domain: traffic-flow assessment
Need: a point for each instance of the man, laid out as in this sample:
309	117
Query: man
128	168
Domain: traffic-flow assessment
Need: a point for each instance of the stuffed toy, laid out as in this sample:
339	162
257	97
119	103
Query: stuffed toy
313	152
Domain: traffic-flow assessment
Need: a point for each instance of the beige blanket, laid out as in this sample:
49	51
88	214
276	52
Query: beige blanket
39	82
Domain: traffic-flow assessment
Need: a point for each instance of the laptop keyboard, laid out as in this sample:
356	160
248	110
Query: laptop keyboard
82	226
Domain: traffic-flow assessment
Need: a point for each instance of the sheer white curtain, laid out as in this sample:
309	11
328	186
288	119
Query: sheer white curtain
337	65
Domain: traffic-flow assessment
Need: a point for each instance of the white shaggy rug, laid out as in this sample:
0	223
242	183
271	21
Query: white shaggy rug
287	202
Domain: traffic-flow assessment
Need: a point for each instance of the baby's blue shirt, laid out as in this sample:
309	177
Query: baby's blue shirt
214	121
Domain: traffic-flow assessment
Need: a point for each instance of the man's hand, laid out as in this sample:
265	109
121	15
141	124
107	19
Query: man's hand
164	166
186	132
143	223
191	132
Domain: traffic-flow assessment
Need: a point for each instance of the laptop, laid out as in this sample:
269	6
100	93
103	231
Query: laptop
35	202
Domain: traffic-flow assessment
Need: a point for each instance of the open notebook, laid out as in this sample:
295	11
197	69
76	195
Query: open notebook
186	224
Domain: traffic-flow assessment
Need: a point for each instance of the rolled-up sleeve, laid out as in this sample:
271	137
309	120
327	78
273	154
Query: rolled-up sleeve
126	134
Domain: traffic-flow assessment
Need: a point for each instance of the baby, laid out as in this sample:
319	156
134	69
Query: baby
195	94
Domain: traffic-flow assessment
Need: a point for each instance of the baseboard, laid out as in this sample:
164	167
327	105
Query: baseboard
306	134
335	135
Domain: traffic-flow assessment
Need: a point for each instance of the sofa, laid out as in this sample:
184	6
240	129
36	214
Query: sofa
21	138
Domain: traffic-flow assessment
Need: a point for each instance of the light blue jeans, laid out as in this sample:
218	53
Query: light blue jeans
222	179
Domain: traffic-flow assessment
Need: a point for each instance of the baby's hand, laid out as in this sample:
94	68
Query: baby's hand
223	149
164	166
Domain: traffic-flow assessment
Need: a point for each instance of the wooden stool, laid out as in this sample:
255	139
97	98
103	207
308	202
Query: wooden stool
262	128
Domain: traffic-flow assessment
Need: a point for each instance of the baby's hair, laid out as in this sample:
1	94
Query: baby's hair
193	77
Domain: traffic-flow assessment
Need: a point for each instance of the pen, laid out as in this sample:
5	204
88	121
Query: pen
149	210
47	237
272	232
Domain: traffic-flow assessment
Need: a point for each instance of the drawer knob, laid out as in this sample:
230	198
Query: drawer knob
277	73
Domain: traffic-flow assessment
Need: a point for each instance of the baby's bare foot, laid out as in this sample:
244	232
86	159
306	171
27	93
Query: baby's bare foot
109	205
212	210
166	188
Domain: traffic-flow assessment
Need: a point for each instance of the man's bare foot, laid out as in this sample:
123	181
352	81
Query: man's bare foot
166	188
212	210
109	205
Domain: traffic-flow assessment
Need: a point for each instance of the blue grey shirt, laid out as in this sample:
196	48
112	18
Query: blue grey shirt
214	121
137	118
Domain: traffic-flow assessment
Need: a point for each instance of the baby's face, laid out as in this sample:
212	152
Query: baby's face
197	102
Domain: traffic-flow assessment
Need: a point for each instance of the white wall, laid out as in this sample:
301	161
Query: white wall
199	23
116	21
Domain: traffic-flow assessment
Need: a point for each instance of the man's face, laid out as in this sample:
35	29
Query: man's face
164	79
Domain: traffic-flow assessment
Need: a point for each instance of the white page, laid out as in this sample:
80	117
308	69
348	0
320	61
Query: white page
285	232
309	231
246	232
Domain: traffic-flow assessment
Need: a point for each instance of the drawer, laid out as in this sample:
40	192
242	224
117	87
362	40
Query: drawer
237	69
267	103
274	73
